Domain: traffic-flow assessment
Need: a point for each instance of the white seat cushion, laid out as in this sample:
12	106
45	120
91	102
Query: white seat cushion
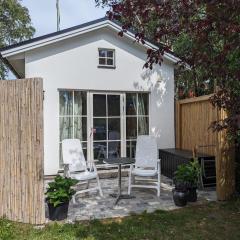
144	172
82	176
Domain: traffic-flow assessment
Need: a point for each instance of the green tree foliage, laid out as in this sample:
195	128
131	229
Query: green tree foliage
15	26
205	34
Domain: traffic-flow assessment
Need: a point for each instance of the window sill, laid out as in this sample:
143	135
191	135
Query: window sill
107	67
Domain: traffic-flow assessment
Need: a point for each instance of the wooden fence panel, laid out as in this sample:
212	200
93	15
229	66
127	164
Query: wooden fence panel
21	151
193	118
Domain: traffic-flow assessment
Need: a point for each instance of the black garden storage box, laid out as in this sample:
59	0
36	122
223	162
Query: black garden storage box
172	157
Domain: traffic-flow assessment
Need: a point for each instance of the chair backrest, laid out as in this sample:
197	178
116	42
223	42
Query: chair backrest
73	155
146	152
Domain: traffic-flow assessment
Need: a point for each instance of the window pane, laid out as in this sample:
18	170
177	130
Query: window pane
143	104
113	105
80	128
100	150
80	103
110	53
114	149
99	124
99	105
131	148
110	62
114	129
102	61
131	127
131	104
143	126
66	128
66	103
102	53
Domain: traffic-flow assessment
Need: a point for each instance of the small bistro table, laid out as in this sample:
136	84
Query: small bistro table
119	161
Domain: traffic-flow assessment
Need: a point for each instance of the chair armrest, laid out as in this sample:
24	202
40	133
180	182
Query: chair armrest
132	165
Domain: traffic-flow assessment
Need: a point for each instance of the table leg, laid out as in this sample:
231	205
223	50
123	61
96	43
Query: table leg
120	196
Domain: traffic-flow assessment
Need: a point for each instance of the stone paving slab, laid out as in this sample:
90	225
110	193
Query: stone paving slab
91	206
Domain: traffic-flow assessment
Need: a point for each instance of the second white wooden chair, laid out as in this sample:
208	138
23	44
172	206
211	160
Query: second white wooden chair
146	165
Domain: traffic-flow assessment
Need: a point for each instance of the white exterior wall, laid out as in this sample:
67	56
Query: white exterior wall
72	64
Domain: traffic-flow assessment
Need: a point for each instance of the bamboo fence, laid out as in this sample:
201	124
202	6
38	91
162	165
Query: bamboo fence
21	151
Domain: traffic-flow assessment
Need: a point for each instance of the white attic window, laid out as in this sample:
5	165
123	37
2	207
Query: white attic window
106	58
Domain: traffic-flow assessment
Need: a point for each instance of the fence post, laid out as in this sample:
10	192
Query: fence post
178	125
225	164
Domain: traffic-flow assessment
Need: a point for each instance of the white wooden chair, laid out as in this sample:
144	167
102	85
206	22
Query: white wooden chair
147	165
76	167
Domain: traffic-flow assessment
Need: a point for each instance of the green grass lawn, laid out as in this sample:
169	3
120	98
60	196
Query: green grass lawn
210	221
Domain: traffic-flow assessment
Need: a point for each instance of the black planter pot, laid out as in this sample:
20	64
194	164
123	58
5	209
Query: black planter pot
192	194
58	213
179	197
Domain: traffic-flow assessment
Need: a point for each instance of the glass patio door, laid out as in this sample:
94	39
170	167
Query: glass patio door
106	125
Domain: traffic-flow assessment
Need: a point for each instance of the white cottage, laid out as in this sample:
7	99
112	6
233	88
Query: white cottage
97	90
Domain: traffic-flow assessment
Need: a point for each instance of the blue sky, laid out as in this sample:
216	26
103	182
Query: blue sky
73	12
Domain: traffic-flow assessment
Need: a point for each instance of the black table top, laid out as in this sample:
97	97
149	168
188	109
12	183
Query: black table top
119	160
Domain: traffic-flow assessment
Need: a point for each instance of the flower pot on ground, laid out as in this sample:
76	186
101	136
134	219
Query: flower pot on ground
58	195
192	194
58	213
187	176
180	195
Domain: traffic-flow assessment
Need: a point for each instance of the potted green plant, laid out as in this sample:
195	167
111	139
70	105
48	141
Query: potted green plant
58	195
191	179
180	190
186	181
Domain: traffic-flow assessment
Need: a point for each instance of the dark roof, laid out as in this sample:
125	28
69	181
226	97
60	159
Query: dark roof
75	28
54	34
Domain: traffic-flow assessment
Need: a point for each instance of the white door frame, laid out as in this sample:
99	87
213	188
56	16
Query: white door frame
122	121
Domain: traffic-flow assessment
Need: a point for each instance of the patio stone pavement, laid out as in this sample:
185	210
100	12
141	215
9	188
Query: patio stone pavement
91	206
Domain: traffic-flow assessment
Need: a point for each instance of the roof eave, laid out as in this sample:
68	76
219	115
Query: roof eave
8	64
68	33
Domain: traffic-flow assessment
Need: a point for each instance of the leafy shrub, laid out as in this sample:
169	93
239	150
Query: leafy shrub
60	190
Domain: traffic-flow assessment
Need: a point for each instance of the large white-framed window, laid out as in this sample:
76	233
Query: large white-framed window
107	125
106	58
137	119
73	118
